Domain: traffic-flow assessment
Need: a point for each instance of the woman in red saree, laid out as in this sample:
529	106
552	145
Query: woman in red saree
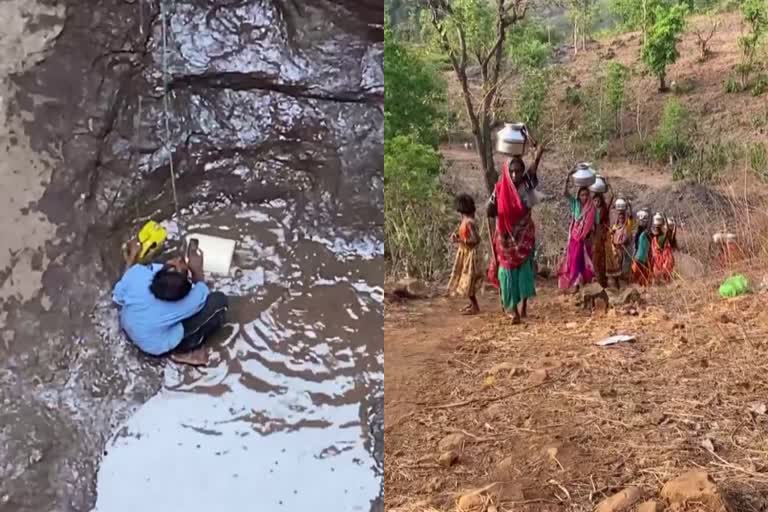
512	266
662	251
576	268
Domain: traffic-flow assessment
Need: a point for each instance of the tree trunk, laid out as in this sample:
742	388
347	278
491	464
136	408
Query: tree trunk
486	155
662	82
645	22
575	36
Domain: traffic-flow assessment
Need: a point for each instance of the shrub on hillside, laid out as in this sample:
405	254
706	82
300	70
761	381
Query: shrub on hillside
732	85
760	85
531	96
755	13
674	135
529	46
416	219
573	96
758	159
414	94
706	162
615	91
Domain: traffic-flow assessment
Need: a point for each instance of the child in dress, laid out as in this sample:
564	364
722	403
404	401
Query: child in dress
466	275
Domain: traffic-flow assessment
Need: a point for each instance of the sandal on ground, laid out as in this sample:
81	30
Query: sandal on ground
198	357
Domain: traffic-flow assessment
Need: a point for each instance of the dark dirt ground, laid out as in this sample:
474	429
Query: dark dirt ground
267	101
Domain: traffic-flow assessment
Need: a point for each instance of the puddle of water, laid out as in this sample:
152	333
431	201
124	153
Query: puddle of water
277	421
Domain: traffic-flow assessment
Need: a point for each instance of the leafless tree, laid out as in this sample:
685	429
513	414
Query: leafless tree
703	39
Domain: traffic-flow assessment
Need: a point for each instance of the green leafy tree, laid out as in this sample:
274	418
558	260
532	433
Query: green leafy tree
634	14
410	168
640	14
532	94
529	46
615	91
674	135
582	14
755	14
415	218
475	32
660	49
413	93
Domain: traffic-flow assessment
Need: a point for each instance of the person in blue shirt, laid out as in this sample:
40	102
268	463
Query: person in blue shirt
167	309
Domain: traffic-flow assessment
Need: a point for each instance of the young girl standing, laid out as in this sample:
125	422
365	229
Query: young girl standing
466	274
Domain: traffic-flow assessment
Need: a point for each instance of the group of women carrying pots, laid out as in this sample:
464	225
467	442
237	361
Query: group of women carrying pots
631	247
606	240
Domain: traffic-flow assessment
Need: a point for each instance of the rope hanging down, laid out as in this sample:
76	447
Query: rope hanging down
166	114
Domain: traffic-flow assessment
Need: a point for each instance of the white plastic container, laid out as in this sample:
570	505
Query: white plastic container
511	139
217	252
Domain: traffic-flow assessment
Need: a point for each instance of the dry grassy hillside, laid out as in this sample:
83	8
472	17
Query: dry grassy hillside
730	119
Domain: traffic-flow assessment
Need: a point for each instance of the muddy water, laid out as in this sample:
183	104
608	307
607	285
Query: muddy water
275	131
279	418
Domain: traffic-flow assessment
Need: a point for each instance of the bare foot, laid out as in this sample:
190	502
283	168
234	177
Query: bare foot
470	311
515	318
197	357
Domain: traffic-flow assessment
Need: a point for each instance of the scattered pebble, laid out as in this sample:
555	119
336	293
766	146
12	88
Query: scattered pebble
621	501
448	459
451	442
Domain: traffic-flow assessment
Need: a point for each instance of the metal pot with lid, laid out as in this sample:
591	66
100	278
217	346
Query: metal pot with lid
512	139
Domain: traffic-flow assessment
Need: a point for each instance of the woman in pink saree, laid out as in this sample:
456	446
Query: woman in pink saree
576	268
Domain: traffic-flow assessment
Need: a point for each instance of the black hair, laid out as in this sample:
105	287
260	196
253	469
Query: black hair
169	284
517	159
465	205
601	198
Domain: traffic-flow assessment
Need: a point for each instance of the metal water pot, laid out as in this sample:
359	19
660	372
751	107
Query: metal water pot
620	205
585	175
599	186
511	139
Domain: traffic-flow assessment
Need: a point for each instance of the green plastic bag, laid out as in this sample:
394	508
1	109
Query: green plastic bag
734	286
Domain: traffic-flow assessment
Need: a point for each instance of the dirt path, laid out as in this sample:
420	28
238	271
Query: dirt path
467	175
558	423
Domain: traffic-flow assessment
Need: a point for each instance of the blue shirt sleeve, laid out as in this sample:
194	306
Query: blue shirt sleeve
120	293
193	303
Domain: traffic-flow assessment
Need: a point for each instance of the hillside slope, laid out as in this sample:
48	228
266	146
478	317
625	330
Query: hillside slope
733	120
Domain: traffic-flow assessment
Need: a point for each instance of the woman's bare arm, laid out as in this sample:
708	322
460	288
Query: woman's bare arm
534	168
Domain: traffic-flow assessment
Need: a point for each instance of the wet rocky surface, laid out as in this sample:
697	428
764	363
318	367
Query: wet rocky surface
274	108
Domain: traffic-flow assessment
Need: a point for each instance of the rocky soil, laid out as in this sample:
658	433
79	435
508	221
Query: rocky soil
485	416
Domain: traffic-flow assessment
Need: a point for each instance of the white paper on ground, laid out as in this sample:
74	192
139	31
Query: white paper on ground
613	340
